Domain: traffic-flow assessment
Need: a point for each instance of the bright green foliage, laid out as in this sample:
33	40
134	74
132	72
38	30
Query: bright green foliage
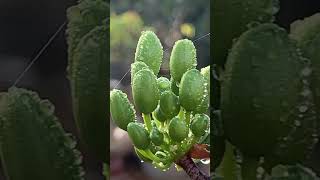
174	87
136	67
199	124
169	104
33	144
163	84
232	18
156	136
206	74
145	91
122	111
164	137
203	108
139	135
150	51
178	129
159	115
182	59
192	90
141	156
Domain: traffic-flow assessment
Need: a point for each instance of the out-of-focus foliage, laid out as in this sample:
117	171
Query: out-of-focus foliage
188	30
288	137
88	51
125	29
296	172
173	20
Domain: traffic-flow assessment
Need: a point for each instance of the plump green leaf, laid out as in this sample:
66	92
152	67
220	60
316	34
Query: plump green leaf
82	18
33	144
178	129
150	51
122	111
264	109
192	90
145	91
182	59
233	17
139	135
89	85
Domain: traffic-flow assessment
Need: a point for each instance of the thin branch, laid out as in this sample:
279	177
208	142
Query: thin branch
191	168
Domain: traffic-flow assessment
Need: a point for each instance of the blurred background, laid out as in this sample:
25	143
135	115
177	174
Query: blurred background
171	20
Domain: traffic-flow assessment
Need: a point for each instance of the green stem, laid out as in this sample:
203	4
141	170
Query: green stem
162	165
106	171
185	147
149	154
147	121
249	168
188	113
228	167
181	113
162	125
165	146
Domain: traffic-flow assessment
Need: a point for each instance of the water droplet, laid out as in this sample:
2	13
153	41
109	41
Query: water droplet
306	71
303	108
297	123
315	140
205	161
305	82
306	92
78	161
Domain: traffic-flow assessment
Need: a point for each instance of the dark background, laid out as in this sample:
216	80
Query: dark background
291	10
25	26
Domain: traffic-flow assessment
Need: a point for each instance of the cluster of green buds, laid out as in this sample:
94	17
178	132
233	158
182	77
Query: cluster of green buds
174	111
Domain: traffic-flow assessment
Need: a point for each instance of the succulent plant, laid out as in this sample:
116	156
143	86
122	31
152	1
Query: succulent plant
171	125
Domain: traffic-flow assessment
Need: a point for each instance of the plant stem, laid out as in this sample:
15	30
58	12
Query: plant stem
249	168
181	113
191	168
147	121
188	113
228	166
149	154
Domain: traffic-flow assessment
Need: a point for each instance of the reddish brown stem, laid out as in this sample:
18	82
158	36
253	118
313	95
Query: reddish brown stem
191	168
